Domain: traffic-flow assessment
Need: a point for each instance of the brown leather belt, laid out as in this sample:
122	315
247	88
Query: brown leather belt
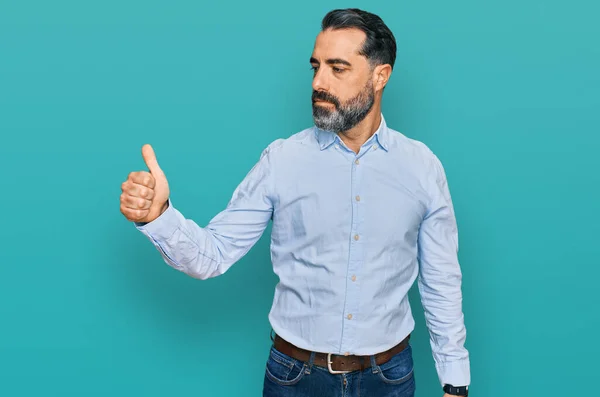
338	363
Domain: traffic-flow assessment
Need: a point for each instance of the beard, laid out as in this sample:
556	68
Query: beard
344	116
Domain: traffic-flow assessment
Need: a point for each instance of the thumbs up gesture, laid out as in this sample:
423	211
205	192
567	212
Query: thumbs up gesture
145	193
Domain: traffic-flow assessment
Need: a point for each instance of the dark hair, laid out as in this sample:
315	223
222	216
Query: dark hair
380	45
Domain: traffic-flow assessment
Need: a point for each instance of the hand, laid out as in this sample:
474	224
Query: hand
144	194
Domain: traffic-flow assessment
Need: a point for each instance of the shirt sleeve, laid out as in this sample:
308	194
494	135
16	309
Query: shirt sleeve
206	252
440	281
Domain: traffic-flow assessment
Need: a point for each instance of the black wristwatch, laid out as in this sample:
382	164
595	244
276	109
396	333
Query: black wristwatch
456	391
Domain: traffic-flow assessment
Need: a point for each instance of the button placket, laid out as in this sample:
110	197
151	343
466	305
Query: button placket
351	306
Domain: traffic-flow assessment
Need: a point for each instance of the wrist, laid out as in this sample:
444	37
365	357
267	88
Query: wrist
164	207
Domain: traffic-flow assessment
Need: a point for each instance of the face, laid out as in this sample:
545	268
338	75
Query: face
343	87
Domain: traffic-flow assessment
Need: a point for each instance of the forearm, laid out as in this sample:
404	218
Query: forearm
183	244
442	303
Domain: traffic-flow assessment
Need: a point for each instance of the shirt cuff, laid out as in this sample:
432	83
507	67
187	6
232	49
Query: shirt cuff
455	373
163	226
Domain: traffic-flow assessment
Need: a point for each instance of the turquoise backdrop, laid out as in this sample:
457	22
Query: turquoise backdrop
505	92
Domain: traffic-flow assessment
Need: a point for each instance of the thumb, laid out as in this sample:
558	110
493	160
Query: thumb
150	160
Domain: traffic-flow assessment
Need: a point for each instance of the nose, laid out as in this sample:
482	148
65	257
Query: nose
319	82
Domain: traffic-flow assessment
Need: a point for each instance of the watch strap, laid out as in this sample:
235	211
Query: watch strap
456	391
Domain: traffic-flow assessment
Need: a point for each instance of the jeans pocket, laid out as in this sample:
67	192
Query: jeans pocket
399	369
283	369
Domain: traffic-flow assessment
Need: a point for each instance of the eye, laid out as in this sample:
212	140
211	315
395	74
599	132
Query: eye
314	68
337	70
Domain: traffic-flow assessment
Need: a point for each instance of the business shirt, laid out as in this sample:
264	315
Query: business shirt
350	235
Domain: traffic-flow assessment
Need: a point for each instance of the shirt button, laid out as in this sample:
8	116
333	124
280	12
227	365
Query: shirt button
349	316
357	198
353	277
374	147
356	237
356	161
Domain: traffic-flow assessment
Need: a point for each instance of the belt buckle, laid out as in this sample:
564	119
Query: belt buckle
331	371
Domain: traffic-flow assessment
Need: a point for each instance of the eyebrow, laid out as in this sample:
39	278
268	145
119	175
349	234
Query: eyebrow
333	61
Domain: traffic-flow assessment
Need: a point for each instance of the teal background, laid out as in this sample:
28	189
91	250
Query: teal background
505	92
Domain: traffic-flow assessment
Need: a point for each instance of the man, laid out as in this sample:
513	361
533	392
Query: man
359	212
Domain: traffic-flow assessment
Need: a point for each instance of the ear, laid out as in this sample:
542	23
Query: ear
381	75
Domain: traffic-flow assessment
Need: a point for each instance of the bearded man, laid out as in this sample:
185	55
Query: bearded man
359	212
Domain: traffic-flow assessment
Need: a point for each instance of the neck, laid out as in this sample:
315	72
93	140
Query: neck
355	137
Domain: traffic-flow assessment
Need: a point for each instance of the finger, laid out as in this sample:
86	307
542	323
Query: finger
133	214
143	178
136	190
150	160
137	203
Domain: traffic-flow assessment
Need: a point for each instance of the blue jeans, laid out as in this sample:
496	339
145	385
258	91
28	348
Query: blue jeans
288	377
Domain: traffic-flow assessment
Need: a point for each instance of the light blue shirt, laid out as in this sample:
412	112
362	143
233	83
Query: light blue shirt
350	235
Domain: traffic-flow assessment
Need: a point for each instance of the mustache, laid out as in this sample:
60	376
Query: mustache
324	96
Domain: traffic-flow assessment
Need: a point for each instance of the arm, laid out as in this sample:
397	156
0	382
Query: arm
440	283
210	251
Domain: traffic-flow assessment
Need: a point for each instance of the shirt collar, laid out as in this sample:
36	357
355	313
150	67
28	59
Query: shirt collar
327	138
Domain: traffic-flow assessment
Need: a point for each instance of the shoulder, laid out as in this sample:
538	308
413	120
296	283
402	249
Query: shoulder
281	146
425	163
417	151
